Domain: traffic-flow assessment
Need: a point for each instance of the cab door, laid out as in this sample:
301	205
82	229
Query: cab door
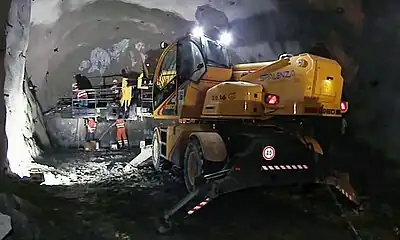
165	85
191	67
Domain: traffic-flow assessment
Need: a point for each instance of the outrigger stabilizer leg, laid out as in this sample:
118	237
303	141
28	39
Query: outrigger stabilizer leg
203	194
341	182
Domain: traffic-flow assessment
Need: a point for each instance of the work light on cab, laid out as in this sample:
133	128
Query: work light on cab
197	31
225	38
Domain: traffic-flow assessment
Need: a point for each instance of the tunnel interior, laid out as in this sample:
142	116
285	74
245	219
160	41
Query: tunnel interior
46	43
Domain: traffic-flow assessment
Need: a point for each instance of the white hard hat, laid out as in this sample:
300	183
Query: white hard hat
115	81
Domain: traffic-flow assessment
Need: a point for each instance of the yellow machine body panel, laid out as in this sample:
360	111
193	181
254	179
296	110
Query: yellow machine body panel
306	85
194	94
234	98
189	100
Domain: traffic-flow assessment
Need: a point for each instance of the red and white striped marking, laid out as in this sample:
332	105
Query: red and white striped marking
284	167
348	195
199	206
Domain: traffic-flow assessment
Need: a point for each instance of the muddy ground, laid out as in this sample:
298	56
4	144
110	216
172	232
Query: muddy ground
126	207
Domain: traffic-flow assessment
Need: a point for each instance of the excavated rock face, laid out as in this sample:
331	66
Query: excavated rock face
4	7
20	103
24	125
365	42
95	41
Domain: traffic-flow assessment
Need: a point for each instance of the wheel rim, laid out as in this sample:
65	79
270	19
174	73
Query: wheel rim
156	150
192	168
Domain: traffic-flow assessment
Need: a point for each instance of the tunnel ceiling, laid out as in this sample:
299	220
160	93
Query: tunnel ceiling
101	37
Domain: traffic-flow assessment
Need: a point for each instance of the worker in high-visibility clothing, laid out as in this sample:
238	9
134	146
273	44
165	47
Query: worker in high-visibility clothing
91	126
80	95
126	95
121	133
115	90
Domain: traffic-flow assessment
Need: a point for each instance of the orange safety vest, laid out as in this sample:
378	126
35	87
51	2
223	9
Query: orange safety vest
91	126
81	94
120	123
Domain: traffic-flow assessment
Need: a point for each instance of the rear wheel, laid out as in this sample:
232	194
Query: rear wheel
195	165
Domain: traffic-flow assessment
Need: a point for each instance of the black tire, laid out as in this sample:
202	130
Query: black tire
157	160
193	157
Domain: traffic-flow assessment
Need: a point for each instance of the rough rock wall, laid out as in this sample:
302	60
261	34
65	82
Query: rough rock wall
22	109
374	90
35	133
4	9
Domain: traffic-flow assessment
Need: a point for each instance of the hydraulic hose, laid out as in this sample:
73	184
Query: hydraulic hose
106	131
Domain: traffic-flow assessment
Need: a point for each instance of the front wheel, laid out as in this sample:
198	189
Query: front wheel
156	151
195	165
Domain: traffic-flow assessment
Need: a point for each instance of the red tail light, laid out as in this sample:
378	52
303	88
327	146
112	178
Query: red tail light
184	120
344	106
271	99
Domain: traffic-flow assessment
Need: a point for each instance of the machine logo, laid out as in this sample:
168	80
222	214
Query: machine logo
277	75
268	153
232	96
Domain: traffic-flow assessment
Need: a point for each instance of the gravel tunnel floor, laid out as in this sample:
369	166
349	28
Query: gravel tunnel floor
103	203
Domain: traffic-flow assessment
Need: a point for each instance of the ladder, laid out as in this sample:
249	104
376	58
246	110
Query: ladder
146	96
163	142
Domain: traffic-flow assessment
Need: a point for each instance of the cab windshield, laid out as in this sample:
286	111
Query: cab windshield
216	54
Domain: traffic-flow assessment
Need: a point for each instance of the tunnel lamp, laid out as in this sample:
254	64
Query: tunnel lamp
225	38
198	31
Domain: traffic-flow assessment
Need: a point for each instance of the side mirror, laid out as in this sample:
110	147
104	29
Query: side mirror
194	77
163	45
199	66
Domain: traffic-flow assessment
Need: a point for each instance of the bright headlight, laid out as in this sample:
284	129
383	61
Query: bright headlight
198	32
225	38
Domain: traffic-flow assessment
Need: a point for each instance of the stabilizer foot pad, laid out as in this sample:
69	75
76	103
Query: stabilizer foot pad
164	226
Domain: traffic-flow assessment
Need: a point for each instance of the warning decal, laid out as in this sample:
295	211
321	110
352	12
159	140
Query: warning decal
268	153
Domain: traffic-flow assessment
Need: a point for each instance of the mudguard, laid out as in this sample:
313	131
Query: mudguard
212	145
309	140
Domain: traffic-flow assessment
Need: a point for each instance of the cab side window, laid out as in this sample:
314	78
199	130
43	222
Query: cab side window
165	83
168	69
192	65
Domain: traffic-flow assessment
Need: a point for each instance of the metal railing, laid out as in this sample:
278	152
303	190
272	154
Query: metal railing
98	102
96	99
